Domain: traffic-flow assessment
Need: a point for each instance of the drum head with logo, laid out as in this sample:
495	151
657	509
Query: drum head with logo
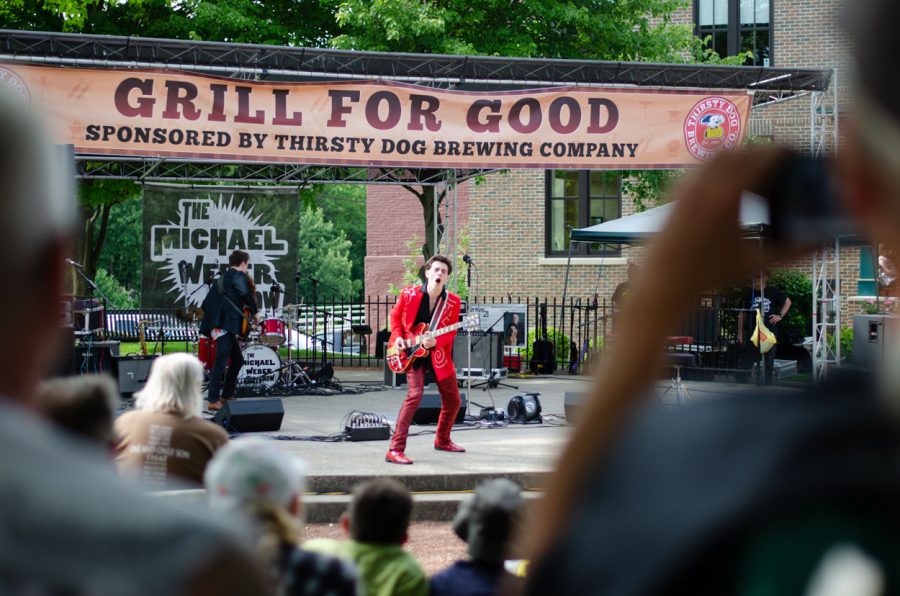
262	366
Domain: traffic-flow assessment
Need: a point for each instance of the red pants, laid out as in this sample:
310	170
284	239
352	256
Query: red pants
450	401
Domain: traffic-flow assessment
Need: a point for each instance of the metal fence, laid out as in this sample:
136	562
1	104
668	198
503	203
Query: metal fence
353	334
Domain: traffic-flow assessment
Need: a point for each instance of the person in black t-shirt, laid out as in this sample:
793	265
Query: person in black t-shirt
774	305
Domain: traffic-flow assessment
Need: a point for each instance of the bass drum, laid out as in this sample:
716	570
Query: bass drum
262	367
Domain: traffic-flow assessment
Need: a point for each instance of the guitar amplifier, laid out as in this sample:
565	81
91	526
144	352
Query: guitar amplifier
131	372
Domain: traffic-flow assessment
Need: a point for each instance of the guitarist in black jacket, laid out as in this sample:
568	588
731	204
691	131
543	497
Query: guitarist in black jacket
227	312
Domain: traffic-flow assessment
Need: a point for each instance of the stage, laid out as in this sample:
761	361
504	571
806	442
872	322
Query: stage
524	453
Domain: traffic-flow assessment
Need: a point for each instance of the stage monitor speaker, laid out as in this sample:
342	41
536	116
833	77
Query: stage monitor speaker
572	401
485	346
251	414
131	372
430	409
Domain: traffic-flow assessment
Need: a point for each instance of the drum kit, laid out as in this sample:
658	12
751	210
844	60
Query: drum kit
263	369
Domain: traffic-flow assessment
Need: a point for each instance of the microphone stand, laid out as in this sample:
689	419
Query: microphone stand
182	270
491	382
88	353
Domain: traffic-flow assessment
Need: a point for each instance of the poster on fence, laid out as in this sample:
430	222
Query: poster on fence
507	319
189	233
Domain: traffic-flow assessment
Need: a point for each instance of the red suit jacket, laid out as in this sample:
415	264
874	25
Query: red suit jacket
403	317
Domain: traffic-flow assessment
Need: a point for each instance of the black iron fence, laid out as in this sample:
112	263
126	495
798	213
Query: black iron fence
353	334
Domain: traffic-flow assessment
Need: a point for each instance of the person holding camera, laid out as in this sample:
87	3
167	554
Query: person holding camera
771	493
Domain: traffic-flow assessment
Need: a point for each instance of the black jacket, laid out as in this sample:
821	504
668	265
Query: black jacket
218	312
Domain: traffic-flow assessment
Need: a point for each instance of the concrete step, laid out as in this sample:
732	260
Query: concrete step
429	506
421	483
435	504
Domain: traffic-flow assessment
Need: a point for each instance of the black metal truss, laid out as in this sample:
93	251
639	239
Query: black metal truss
461	72
165	170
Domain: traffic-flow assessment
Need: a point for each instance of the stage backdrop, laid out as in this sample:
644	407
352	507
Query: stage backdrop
167	113
201	227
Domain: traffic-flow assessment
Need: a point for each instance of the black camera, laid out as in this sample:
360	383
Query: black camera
805	206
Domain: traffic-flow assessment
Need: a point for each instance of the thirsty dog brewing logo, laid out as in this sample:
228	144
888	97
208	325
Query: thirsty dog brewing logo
14	82
712	124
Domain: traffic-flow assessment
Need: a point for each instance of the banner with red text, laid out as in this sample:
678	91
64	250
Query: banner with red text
173	114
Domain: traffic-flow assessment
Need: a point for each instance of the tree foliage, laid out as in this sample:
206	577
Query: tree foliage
344	205
97	199
282	22
585	29
324	254
121	255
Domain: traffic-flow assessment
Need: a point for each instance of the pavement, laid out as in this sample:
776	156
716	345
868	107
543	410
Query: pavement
525	453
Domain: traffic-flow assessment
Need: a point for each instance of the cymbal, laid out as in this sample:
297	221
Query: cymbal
190	315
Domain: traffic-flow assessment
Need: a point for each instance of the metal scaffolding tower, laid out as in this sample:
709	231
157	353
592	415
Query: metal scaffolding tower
826	273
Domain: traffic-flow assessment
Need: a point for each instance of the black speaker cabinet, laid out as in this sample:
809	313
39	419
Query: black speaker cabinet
573	401
251	414
487	350
131	372
430	409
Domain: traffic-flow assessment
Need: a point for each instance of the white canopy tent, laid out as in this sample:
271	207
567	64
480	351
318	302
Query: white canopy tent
634	229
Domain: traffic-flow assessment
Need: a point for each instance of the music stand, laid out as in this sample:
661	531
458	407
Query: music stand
491	381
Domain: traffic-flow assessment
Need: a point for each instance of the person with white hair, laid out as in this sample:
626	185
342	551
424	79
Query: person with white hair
68	525
163	442
257	479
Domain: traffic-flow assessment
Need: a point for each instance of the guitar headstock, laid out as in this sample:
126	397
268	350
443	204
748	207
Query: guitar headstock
472	321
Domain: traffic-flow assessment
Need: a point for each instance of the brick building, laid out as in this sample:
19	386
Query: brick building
516	220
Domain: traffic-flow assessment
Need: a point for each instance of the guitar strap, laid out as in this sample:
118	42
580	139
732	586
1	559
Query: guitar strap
438	312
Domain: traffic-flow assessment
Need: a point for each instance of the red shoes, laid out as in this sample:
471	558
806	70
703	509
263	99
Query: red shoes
449	446
397	457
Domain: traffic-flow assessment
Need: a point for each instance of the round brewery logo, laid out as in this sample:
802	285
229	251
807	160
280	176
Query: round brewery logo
712	124
11	79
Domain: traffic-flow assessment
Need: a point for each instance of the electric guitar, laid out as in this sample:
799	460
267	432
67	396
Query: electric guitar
400	361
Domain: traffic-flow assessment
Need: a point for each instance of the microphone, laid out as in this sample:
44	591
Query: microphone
182	270
74	264
468	260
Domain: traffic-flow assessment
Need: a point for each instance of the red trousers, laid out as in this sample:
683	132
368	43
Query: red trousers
450	402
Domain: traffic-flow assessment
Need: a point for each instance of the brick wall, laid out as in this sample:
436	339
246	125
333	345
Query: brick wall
507	232
394	217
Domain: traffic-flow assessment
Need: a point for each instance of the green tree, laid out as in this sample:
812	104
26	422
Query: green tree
96	201
119	296
324	255
344	205
121	254
586	29
282	22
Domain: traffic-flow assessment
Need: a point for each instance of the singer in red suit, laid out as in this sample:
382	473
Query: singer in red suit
434	305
